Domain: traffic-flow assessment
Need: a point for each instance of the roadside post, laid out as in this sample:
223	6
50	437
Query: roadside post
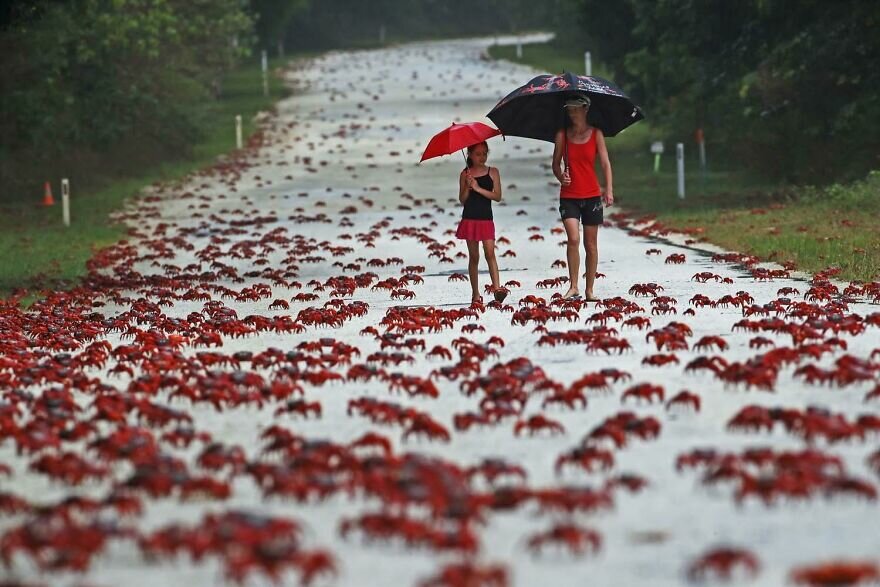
657	149
701	143
679	156
265	74
588	63
238	141
65	201
518	48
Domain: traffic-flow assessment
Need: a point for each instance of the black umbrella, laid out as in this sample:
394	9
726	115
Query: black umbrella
535	110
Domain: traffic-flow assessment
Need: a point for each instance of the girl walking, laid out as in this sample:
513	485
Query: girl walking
479	186
581	198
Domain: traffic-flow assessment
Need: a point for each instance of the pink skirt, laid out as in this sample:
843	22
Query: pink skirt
475	230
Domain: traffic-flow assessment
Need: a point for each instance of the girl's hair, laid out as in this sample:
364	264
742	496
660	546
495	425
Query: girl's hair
470	150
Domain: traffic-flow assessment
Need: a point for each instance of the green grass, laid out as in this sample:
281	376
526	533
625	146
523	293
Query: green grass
808	227
550	57
39	252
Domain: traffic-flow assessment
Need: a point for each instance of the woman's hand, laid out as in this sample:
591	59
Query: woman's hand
607	197
566	178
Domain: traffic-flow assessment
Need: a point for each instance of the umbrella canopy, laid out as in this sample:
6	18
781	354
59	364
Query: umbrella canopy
535	110
457	137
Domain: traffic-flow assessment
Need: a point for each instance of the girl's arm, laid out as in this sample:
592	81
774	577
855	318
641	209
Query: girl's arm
495	194
463	189
608	193
558	151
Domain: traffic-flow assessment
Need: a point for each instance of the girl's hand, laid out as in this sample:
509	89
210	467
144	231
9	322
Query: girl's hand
471	182
566	178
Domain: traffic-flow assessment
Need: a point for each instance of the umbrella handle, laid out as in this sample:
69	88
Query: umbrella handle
465	157
565	154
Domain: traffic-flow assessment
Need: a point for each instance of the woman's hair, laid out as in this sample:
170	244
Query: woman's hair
470	150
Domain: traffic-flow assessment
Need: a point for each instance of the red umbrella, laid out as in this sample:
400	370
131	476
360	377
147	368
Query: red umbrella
458	137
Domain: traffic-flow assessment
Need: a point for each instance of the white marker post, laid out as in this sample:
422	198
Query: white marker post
657	149
588	63
518	48
679	156
65	201
238	141
265	74
701	143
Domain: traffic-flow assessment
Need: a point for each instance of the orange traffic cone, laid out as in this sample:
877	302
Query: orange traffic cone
48	200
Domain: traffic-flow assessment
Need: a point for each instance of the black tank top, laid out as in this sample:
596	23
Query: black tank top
477	206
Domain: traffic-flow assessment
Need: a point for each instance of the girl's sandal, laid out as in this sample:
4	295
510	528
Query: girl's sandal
592	299
574	296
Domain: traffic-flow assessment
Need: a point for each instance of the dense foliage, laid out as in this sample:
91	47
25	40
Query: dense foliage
788	87
82	79
108	87
336	23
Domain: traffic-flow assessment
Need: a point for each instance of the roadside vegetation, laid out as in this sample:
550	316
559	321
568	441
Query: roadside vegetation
39	252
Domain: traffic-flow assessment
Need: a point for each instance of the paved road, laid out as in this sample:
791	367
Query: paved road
334	185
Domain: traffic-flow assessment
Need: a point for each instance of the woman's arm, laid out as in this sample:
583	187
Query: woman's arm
608	193
558	151
463	189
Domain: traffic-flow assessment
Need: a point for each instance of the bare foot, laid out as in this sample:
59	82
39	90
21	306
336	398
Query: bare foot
571	293
590	298
476	299
500	293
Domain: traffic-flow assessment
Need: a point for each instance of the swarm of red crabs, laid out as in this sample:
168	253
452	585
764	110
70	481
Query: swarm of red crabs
109	391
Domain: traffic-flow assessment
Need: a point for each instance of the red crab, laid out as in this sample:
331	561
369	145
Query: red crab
660	360
684	398
576	539
423	425
300	407
279	305
707	342
587	458
440	351
402	293
644	391
723	564
537	423
468	574
492	469
837	573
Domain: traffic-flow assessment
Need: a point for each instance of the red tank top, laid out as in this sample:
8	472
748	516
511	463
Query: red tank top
582	169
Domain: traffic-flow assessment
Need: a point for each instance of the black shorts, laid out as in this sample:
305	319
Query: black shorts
589	211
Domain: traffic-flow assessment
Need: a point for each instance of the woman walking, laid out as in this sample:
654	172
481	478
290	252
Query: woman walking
581	198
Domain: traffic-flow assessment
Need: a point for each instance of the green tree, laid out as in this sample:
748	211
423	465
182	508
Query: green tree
84	78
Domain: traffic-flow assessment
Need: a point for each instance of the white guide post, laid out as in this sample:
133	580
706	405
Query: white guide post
65	201
679	157
265	74
588	63
238	141
701	143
